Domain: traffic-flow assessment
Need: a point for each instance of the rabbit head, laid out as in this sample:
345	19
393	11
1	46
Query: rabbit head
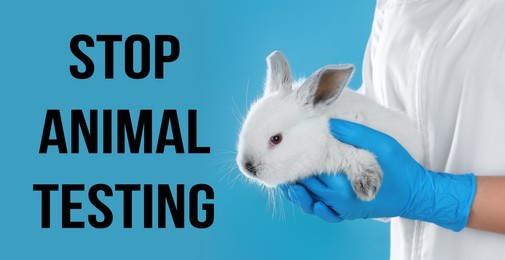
285	133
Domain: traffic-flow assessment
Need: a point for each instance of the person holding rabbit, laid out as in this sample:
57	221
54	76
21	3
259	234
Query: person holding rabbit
442	63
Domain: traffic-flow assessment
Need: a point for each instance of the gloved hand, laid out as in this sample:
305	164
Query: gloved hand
408	190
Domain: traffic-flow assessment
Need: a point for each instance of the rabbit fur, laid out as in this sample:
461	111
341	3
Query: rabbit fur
285	135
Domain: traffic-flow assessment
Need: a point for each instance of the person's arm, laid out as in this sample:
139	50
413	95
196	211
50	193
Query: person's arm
408	190
488	207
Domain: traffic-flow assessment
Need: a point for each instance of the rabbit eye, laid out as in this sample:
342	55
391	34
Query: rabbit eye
276	139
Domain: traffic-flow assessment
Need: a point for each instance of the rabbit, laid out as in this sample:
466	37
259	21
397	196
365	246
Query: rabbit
285	135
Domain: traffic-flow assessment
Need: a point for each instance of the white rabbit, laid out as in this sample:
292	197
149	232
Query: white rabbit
286	137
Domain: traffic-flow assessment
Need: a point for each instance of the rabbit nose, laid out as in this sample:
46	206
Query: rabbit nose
249	166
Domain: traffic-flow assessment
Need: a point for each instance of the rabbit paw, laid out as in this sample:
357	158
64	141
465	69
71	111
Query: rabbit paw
367	180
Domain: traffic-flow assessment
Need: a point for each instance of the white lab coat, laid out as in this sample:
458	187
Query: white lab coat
443	63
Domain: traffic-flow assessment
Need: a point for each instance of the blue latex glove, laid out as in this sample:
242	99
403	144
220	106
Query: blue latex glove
408	190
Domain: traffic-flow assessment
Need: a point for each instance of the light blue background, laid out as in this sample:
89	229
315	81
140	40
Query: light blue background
219	72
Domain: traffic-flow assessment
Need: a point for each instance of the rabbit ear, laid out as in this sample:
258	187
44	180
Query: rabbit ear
325	85
278	73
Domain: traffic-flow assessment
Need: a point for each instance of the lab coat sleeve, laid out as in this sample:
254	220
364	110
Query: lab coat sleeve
366	87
